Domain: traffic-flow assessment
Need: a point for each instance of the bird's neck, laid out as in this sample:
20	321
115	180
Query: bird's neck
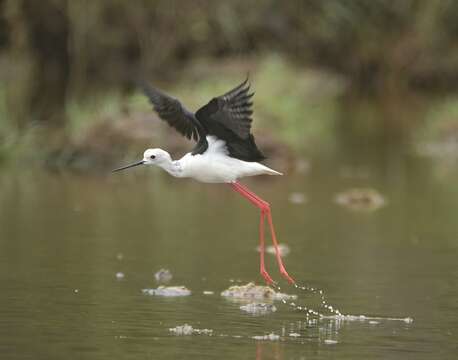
172	167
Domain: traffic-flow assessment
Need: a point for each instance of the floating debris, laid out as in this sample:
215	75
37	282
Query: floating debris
258	308
330	342
282	248
207	292
182	330
271	337
363	199
252	291
235	280
163	276
119	256
120	275
297	198
189	330
295	335
170	291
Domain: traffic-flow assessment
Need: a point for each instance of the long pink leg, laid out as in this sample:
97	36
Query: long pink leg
261	206
277	250
263	270
281	266
265	210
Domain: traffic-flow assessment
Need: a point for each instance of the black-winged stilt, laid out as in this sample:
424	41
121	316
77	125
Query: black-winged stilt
225	150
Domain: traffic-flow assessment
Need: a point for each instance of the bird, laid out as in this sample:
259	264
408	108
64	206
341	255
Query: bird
225	150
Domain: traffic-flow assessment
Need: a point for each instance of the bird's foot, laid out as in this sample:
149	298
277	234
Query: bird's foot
285	274
266	277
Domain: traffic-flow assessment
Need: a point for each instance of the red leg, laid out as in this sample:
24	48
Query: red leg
260	205
265	209
263	270
281	266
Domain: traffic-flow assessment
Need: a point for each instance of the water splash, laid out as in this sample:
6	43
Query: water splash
373	320
324	308
327	311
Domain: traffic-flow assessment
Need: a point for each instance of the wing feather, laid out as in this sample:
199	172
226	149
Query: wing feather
172	111
231	111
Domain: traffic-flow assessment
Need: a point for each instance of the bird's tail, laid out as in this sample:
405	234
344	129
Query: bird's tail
270	171
273	172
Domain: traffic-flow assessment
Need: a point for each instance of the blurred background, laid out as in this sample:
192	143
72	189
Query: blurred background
355	101
325	73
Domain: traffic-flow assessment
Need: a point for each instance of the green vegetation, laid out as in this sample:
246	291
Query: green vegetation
322	70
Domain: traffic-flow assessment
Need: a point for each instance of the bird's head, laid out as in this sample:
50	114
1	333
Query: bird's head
155	156
150	157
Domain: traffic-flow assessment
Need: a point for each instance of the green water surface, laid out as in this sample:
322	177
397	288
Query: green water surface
63	238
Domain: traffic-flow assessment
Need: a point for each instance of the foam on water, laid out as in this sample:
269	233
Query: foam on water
270	337
163	276
330	342
185	330
258	308
168	291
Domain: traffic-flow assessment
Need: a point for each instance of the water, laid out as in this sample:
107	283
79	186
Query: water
64	240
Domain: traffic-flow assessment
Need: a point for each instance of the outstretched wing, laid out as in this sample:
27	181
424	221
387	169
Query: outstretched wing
170	110
231	111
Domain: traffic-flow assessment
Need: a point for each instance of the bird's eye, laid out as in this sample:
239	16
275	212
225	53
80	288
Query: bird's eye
153	157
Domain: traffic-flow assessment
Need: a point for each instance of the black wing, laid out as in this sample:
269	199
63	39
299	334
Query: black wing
231	111
170	109
228	117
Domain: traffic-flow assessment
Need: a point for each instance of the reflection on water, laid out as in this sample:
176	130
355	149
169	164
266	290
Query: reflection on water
64	240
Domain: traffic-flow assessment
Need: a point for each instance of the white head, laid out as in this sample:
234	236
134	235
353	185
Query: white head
151	157
156	157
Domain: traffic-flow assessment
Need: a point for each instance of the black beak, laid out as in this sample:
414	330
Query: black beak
129	166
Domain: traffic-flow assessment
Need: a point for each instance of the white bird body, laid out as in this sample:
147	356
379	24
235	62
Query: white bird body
225	151
213	166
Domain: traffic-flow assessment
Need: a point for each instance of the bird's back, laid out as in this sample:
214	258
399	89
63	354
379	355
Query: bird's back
227	117
216	165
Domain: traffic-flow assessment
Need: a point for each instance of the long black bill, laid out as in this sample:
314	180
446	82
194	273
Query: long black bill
129	166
